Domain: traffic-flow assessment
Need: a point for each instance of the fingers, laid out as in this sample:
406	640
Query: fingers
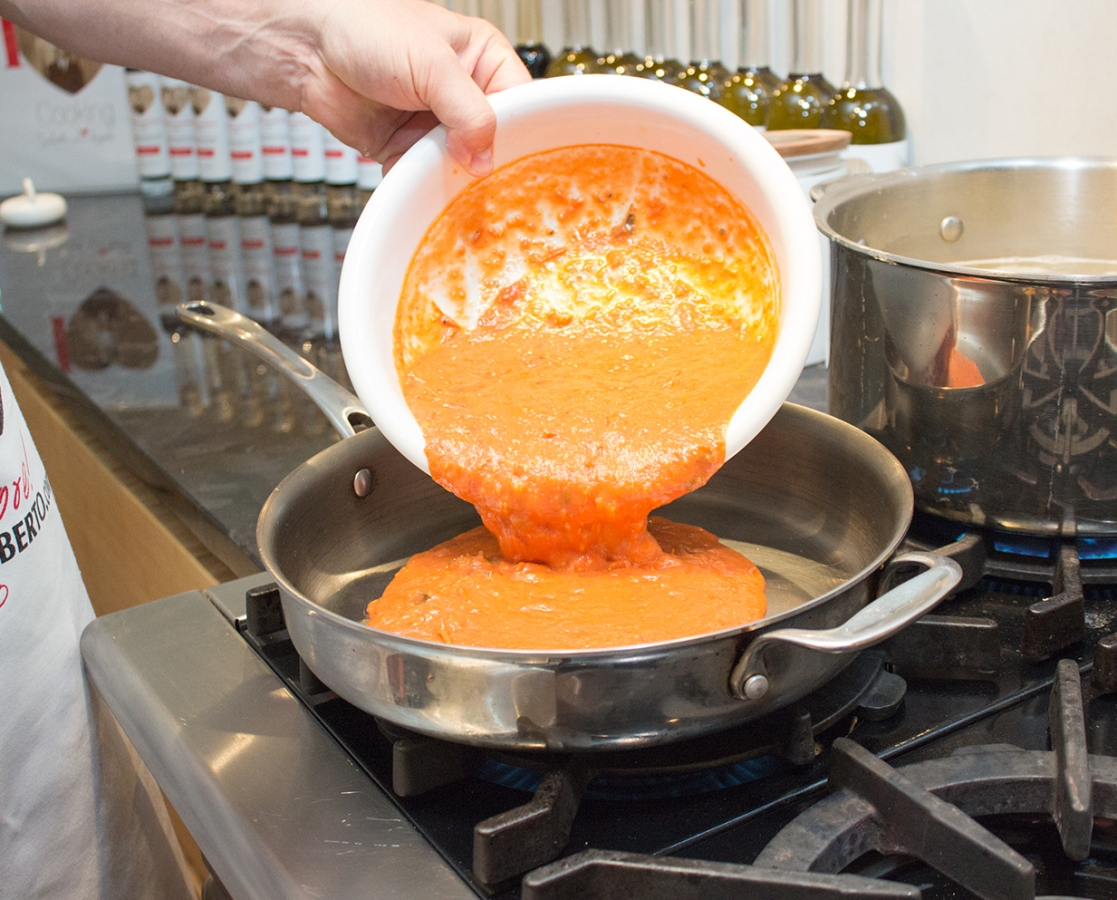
404	136
380	90
470	122
500	68
455	93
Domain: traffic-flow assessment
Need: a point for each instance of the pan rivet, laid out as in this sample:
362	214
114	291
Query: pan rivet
362	483
756	686
951	229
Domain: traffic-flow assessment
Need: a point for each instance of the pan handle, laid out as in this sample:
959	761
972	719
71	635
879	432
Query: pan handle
342	408
874	623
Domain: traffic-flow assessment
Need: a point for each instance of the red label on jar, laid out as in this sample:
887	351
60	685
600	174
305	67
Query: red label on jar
11	44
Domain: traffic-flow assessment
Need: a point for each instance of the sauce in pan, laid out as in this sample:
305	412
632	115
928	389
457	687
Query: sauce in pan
575	332
466	592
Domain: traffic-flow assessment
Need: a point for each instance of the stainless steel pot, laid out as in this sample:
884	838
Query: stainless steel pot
819	506
1013	265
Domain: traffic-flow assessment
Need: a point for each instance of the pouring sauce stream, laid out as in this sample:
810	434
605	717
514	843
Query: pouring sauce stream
575	332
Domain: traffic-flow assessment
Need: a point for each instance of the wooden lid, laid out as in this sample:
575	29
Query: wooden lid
794	142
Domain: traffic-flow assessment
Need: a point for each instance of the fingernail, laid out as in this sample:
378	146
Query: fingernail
481	163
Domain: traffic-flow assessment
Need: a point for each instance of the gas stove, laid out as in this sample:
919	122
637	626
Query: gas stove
292	792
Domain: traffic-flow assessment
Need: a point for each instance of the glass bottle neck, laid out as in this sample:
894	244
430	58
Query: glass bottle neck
529	22
492	11
703	31
659	27
756	41
806	37
618	26
863	44
576	23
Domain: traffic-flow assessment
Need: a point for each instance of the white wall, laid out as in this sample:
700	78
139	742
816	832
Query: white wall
989	78
986	78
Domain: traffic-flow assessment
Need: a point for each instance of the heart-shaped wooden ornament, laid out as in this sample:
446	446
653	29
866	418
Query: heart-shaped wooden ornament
140	98
70	73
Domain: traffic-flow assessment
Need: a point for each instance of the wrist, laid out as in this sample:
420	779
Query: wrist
256	49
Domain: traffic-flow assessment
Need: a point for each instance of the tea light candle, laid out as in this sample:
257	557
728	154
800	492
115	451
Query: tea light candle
32	209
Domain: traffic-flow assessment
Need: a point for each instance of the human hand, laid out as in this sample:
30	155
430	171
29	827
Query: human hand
387	71
378	73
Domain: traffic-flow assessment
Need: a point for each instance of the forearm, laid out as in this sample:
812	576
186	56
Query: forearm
257	49
377	73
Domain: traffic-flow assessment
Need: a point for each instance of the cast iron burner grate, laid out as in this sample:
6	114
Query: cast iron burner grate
528	834
924	811
967	663
1057	575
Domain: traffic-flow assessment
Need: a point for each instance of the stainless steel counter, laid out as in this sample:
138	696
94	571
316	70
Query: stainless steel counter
79	304
280	812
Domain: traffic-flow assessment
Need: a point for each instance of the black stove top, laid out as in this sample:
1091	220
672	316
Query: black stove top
978	672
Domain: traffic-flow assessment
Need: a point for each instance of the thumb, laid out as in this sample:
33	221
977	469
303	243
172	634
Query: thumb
460	104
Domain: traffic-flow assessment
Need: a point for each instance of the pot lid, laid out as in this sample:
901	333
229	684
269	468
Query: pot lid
795	142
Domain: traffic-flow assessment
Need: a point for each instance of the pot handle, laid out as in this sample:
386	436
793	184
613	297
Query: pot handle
341	407
874	623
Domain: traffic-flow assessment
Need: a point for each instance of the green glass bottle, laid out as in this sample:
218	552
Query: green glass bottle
749	90
863	106
529	38
758	53
577	57
801	97
659	42
704	75
621	58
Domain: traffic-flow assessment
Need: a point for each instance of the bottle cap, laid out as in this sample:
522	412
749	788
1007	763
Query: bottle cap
32	209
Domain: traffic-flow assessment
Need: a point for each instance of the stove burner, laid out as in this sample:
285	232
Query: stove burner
520	839
1022	545
520	810
949	481
717	761
921	810
526	836
641	787
1027	565
909	810
1097	548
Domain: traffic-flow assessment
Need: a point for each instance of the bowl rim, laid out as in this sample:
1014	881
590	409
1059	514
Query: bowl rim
787	213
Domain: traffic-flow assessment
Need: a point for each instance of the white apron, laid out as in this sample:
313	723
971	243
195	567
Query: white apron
80	817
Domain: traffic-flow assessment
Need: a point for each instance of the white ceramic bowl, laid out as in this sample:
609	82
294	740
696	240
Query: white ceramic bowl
561	112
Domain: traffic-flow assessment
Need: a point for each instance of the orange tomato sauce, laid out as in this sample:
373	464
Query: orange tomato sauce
962	371
465	592
574	334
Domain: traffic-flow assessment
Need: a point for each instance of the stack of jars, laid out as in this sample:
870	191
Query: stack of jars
250	207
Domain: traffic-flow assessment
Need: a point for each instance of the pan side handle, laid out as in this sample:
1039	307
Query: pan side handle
874	623
341	407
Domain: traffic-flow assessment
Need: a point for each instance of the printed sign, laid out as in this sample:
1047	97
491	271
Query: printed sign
66	120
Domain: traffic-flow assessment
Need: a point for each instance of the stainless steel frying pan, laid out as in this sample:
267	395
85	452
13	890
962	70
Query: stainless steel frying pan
817	504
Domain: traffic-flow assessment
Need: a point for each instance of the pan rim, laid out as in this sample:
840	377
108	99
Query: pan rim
897	478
